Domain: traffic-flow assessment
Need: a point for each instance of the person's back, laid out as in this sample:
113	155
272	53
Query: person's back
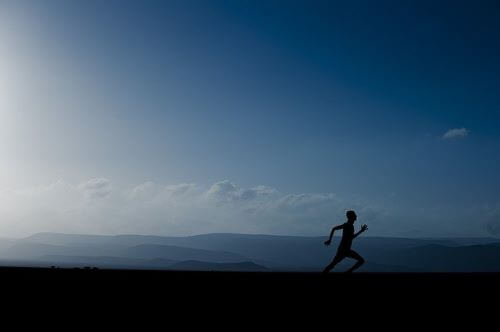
347	236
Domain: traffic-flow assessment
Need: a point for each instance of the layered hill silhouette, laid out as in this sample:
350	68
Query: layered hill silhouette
244	252
204	266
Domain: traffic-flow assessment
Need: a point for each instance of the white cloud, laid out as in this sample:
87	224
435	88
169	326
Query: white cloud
226	191
99	207
181	209
222	190
143	192
456	133
96	188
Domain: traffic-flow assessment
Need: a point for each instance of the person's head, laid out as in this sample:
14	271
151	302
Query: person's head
351	216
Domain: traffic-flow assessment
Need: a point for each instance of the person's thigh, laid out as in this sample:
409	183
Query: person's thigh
338	257
355	255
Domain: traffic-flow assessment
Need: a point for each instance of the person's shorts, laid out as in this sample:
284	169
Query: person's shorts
343	253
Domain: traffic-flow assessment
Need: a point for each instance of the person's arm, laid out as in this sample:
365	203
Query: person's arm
363	228
327	242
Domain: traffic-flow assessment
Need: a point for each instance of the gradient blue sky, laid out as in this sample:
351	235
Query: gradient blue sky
316	98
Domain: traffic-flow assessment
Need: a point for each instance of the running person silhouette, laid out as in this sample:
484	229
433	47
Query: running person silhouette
344	250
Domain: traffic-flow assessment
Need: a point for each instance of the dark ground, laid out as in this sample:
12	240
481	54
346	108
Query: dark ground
253	284
252	296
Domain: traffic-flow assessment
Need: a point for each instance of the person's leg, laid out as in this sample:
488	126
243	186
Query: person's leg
338	257
356	256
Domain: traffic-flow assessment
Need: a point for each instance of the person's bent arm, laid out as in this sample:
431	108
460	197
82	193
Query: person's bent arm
327	242
363	228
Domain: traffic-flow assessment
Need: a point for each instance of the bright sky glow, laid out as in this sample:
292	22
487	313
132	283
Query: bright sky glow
174	118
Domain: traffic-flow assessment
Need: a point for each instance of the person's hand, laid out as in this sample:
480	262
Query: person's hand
364	228
327	243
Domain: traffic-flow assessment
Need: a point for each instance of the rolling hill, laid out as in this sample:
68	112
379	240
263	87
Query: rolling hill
275	253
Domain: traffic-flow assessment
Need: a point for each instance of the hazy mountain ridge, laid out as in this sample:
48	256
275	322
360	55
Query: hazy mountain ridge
181	253
206	266
272	252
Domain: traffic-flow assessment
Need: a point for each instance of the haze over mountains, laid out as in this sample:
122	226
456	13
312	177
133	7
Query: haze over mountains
243	252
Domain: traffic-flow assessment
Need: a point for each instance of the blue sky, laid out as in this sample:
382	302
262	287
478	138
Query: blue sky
310	99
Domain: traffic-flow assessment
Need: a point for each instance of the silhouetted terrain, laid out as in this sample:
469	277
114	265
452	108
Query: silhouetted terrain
242	252
193	287
204	266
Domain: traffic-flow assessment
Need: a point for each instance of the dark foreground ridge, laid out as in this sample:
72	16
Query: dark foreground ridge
248	296
266	284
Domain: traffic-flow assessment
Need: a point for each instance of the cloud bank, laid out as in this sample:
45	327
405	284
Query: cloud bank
96	206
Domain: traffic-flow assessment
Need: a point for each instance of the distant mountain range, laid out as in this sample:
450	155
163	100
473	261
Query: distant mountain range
244	252
206	266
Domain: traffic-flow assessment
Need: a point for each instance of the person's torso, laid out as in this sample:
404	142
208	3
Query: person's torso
347	235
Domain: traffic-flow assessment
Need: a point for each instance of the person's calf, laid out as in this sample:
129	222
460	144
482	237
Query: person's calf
356	266
328	269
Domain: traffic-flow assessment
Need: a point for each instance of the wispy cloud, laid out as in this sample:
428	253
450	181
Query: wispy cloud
96	188
455	133
98	206
95	206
